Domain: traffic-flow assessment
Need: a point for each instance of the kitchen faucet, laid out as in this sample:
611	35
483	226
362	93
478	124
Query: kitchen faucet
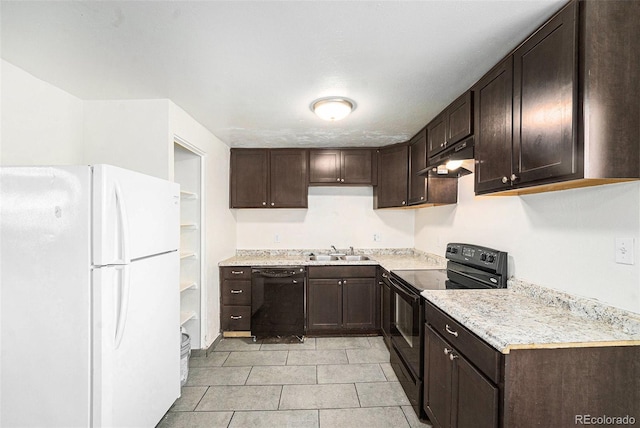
351	251
333	247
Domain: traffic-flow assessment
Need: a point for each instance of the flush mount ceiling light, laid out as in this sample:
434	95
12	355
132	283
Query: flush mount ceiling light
332	108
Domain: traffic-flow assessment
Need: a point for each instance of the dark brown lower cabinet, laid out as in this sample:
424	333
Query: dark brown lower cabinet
468	384
456	394
342	299
325	304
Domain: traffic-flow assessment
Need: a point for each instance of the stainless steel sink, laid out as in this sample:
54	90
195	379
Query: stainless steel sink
323	258
354	258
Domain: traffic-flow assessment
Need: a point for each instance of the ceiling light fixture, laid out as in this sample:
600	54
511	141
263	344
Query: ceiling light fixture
332	108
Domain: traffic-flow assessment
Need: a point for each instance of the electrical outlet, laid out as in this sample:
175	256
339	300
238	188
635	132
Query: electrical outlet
624	251
376	237
276	237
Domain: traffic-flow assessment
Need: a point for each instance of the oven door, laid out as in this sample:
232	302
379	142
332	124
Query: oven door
406	324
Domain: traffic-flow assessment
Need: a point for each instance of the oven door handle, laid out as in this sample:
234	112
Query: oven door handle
401	289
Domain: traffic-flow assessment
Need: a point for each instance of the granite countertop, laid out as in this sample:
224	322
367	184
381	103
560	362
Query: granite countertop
389	259
536	317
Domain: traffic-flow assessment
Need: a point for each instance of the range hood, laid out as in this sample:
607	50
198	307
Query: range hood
462	151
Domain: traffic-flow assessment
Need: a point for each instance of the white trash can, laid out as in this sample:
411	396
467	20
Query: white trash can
185	353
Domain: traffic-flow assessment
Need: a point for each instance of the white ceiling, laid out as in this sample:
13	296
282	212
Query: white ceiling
249	70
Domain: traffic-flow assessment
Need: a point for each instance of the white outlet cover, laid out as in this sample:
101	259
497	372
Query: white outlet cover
624	251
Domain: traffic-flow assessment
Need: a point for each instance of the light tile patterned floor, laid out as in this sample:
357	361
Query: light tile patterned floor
323	383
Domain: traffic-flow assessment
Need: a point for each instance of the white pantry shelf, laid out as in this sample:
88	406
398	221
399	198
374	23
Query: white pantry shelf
187	316
188	255
185	285
188	195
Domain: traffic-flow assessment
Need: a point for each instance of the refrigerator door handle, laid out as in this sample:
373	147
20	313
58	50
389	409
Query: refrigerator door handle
123	304
124	224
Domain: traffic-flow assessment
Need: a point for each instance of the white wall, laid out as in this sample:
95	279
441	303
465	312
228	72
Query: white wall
562	240
340	216
130	134
41	124
219	223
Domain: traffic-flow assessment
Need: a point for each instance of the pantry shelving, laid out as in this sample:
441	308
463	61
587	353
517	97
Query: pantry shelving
187	172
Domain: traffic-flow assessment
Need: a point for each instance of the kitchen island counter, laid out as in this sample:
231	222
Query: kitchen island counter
526	316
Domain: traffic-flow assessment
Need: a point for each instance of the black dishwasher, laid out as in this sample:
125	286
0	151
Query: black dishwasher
277	301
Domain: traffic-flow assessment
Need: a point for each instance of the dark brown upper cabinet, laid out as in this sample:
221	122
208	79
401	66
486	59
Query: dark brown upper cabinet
452	125
493	129
428	189
268	178
393	177
575	118
345	166
417	162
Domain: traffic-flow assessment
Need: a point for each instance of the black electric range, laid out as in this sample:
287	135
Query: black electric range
468	267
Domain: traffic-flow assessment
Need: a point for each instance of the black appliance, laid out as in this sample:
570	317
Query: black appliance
468	267
277	301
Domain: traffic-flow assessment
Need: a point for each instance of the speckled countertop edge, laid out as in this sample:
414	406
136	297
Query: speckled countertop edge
388	258
524	318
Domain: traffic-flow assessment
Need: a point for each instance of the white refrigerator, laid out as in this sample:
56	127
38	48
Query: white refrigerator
89	281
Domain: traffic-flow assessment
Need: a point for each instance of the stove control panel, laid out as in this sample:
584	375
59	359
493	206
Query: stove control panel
474	255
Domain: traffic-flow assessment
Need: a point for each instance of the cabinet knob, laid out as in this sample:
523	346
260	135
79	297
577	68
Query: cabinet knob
339	282
337	179
514	177
273	204
447	351
264	203
504	180
452	356
404	203
422	198
342	180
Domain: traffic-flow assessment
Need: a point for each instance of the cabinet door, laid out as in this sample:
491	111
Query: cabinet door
417	162
359	308
437	134
288	184
249	178
442	190
459	118
324	304
356	166
544	102
437	373
493	96
324	166
475	403
393	177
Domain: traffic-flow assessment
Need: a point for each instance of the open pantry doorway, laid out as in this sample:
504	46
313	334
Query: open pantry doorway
189	173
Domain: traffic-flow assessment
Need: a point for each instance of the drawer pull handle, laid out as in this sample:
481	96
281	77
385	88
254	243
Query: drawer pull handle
451	332
236	317
237	272
236	291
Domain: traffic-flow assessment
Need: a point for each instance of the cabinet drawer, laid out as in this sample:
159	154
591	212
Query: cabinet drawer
236	318
331	272
236	292
236	272
477	351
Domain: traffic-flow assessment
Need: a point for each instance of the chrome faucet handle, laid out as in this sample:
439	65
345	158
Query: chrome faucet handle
333	247
351	251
